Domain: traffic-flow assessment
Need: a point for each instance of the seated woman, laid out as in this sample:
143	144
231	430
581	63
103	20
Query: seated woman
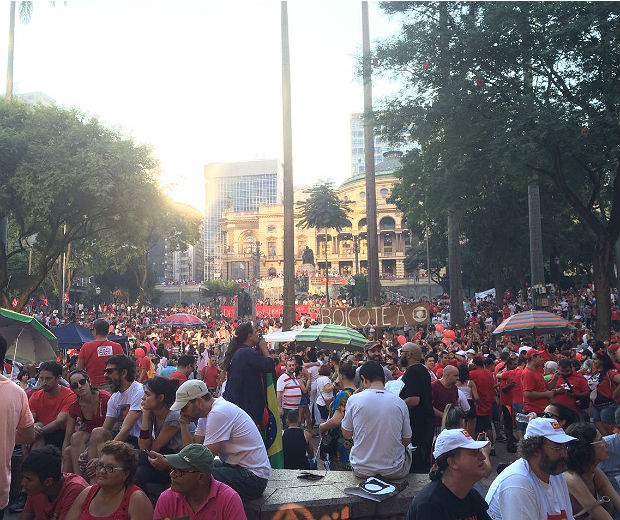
113	496
86	413
160	430
563	414
587	484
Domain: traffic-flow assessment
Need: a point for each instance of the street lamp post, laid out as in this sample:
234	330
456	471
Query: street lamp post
97	292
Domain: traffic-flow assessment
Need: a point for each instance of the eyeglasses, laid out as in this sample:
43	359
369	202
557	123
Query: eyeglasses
81	382
549	415
558	447
600	441
110	370
182	472
108	468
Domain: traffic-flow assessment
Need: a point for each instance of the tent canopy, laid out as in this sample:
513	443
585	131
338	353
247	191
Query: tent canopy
72	335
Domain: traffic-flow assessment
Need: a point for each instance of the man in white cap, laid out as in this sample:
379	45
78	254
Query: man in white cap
533	486
459	464
229	432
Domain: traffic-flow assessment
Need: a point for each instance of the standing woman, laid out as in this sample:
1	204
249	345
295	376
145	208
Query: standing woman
303	377
338	448
606	380
468	389
246	362
113	496
87	412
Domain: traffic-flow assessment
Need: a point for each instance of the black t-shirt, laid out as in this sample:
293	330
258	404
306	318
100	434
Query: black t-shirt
437	502
294	447
418	384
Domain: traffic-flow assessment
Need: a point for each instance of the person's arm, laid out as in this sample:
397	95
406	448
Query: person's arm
140	507
553	380
69	429
616	392
347	434
80	364
412	401
578	489
333	422
76	509
309	449
405	441
55	424
533	394
128	423
437	413
279	397
25	435
214	447
604	488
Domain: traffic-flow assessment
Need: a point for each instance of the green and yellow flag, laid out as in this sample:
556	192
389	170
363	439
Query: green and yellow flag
273	432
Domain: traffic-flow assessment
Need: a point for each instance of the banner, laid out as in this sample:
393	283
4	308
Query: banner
276	311
380	316
228	311
482	295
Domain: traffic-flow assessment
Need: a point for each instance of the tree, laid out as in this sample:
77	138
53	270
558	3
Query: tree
565	128
323	210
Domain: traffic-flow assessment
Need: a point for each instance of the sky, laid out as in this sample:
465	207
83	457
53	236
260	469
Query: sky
200	81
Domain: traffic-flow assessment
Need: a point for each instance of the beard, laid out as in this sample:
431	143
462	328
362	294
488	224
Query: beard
551	467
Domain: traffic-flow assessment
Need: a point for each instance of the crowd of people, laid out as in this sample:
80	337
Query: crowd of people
174	425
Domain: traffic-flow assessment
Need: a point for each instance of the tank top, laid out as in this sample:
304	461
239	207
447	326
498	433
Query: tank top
121	513
294	448
466	390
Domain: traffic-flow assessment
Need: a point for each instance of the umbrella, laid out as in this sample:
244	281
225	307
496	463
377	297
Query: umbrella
187	320
282	337
534	322
28	339
332	335
72	335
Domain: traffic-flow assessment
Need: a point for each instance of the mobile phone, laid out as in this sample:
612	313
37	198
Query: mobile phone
482	436
309	476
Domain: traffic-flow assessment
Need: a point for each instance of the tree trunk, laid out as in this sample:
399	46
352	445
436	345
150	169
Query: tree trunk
454	266
326	272
536	250
500	287
141	276
11	47
601	262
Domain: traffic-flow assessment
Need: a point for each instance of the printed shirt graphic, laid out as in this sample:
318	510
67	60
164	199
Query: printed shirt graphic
120	404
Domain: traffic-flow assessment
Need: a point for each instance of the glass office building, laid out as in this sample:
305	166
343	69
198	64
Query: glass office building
239	186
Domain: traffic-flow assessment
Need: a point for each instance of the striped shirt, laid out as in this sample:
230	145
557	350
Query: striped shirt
291	392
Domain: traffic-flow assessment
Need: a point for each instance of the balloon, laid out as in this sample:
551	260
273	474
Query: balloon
402	339
445	341
448	333
425	65
139	352
439	327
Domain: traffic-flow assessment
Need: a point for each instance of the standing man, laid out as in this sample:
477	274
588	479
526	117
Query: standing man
185	366
50	406
288	391
228	431
536	394
210	375
576	389
94	354
444	392
485	384
369	412
418	397
533	486
373	351
16	427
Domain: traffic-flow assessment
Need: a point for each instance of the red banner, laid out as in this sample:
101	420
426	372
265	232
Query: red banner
276	311
228	311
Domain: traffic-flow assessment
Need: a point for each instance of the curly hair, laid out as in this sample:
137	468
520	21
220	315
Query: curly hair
530	446
581	451
124	454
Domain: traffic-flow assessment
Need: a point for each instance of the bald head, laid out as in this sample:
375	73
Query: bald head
450	375
413	351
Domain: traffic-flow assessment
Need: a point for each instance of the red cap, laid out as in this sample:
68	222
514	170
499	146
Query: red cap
531	353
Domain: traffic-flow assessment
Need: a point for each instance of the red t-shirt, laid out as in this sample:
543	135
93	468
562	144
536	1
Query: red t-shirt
485	384
40	507
144	363
178	375
579	384
532	380
606	386
442	396
94	354
517	390
76	412
209	376
280	369
47	408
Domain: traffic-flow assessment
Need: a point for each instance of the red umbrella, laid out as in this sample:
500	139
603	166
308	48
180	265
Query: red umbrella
187	320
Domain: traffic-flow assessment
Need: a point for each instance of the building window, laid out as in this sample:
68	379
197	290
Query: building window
271	228
248	245
362	195
387	224
384	192
271	249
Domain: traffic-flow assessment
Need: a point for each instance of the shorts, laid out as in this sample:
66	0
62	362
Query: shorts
495	412
605	414
483	423
518	408
304	401
323	411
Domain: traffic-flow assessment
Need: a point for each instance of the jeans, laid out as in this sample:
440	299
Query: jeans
244	482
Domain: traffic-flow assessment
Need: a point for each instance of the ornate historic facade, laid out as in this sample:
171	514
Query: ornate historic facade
253	240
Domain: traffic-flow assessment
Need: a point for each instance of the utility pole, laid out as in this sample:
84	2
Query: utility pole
288	311
374	286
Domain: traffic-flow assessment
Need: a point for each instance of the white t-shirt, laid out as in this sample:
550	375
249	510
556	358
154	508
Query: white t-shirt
121	403
314	375
321	395
517	493
242	444
291	392
379	421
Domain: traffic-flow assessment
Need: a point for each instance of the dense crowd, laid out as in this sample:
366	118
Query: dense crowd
174	424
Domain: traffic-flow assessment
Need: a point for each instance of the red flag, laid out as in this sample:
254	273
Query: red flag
66	297
15	302
44	300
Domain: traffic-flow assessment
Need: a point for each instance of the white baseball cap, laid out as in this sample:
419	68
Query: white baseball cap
470	351
525	348
548	428
461	352
187	391
449	440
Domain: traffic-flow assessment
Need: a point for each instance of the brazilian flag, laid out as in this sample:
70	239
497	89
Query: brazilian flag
272	435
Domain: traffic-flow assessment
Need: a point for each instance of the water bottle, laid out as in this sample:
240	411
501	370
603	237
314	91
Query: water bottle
525	417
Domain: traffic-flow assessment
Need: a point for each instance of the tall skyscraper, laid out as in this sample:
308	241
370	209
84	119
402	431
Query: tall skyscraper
357	146
240	186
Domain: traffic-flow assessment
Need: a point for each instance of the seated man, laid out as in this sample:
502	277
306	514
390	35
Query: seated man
193	492
378	422
228	431
296	444
50	492
50	406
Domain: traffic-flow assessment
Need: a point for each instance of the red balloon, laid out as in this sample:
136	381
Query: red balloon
139	352
439	327
425	66
448	333
402	339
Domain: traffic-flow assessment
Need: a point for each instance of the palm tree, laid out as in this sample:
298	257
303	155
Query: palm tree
25	12
323	210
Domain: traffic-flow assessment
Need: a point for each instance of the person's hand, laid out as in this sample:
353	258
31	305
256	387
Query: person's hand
38	430
184	419
91	469
158	461
559	390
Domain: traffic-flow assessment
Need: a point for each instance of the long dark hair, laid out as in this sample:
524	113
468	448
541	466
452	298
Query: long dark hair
241	335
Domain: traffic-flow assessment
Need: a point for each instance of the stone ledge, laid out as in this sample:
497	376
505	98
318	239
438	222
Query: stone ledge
290	498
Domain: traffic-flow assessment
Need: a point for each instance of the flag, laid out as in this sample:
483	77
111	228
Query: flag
44	300
15	302
273	432
66	297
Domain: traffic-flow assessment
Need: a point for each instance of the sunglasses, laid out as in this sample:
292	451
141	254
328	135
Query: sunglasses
110	370
81	382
